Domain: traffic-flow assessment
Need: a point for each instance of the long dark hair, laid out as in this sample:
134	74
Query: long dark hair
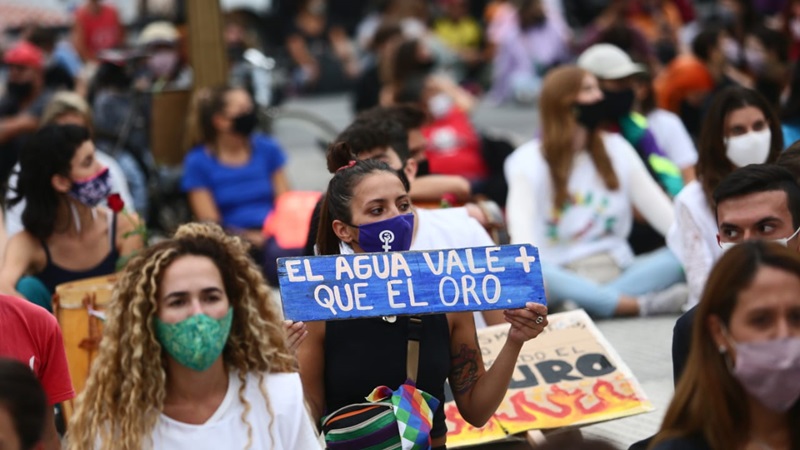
336	204
712	163
24	399
48	152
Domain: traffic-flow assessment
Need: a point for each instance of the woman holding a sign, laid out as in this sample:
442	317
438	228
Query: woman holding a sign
741	385
572	193
193	356
342	361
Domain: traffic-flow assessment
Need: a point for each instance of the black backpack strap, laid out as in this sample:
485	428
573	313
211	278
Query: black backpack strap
412	357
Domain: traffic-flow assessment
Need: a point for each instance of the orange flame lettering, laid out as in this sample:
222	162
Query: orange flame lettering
538	408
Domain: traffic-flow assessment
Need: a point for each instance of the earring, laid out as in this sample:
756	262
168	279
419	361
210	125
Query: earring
722	349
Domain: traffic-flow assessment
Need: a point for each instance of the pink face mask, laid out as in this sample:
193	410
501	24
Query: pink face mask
162	63
769	371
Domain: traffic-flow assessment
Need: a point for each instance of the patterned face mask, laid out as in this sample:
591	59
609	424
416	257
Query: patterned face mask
92	190
195	342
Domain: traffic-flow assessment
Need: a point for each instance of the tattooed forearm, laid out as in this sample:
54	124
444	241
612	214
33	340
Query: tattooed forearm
464	369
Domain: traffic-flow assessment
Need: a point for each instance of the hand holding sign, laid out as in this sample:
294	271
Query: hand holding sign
399	283
526	323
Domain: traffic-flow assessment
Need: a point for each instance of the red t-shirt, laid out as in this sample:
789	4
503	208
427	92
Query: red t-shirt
101	31
31	334
454	147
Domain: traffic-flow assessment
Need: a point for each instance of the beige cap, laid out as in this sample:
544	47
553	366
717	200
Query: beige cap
608	62
158	32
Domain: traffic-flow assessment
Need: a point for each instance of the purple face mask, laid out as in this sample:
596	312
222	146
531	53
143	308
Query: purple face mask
770	371
93	190
390	235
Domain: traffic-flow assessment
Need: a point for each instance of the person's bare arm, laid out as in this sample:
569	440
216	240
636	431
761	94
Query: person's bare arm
431	188
477	391
463	99
344	50
280	182
50	438
130	234
14	126
688	173
79	42
311	357
202	204
19	257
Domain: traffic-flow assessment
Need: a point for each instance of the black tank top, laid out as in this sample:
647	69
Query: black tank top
363	354
53	275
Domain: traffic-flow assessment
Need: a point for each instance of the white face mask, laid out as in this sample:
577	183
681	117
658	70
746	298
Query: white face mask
750	148
725	246
439	105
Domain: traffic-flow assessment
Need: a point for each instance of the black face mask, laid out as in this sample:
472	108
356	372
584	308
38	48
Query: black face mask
244	124
617	104
19	90
426	66
236	51
590	115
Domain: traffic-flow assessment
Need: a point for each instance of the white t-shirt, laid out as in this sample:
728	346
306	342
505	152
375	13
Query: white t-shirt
671	135
597	220
448	228
693	238
119	184
286	417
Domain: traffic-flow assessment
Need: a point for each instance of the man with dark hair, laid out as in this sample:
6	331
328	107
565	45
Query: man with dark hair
759	201
384	140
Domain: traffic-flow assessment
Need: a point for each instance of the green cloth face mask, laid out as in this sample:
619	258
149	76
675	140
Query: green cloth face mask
195	342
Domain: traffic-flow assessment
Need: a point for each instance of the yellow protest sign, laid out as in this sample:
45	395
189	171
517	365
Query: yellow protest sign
569	375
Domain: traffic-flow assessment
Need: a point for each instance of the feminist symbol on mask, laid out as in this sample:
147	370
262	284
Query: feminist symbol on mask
387	237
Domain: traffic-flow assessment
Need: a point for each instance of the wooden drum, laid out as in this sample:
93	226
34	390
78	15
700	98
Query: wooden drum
79	308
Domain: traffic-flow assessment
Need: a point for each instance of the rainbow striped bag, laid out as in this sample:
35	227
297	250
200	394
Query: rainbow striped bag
400	419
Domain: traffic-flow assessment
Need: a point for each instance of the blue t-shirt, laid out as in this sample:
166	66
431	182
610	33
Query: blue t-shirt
244	194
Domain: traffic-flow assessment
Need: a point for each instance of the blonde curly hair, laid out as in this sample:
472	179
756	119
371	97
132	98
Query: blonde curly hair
125	391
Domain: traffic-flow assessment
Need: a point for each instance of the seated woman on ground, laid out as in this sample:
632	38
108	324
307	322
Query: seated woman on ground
740	388
234	176
740	129
572	194
67	236
334	370
193	356
68	108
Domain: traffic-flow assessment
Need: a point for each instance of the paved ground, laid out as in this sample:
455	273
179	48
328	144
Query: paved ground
644	344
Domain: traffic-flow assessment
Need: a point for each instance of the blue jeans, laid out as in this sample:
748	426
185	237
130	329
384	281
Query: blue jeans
651	272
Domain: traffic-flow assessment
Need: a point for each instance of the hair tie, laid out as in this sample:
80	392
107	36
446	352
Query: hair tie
347	166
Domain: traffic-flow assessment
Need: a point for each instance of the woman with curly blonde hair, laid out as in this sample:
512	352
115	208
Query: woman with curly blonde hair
194	356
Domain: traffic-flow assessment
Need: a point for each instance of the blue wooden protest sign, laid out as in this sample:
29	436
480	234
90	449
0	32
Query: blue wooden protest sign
407	283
